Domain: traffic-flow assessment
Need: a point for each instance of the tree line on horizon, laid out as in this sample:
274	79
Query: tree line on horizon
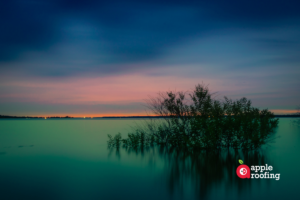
198	121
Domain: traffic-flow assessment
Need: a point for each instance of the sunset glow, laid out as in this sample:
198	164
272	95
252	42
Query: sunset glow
97	67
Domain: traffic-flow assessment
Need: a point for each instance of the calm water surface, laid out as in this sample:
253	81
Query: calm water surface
69	159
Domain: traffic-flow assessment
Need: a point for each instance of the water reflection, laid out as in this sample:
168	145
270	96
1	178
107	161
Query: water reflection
200	171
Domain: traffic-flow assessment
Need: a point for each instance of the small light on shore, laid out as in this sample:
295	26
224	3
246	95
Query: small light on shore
45	117
84	117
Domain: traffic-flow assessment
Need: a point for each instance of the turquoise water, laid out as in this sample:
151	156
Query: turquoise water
69	159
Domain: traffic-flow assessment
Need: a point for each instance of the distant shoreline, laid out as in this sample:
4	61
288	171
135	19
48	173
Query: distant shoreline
108	117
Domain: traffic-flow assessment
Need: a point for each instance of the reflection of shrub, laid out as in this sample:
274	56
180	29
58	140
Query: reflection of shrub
199	171
198	121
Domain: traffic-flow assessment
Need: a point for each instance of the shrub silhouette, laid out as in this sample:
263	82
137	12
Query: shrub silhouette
197	121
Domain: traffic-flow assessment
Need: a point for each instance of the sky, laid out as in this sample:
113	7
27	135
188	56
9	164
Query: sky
105	58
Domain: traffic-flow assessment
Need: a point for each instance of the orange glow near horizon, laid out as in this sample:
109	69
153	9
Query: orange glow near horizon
276	112
89	115
118	95
94	90
284	112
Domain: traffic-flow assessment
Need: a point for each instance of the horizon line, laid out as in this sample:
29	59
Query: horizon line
131	116
142	114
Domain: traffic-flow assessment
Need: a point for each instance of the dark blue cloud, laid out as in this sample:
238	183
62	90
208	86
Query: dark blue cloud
132	31
24	26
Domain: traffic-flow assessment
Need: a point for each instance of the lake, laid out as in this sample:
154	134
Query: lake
69	159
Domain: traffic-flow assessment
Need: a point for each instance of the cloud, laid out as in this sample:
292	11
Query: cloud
131	31
62	51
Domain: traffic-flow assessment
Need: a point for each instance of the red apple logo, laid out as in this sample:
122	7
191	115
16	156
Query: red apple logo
243	171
